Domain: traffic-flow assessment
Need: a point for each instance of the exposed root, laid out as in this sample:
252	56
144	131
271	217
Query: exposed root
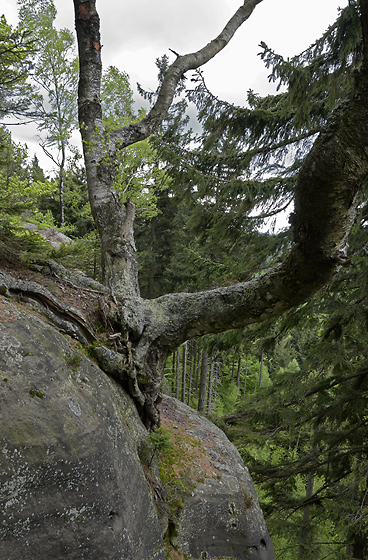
65	318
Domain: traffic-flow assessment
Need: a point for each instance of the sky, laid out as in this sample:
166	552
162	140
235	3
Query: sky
134	33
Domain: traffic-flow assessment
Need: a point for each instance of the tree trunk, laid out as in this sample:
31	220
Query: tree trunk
305	532
184	371
113	221
360	547
238	374
245	375
261	372
233	369
177	373
61	185
216	376
325	204
210	386
197	370
173	372
202	383
193	353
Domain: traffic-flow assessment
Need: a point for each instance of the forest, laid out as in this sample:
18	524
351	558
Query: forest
264	329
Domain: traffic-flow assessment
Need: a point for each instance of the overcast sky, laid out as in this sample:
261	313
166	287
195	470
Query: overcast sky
136	32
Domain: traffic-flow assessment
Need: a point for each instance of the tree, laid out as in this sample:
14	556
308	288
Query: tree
305	440
19	200
138	177
203	383
16	50
56	74
325	206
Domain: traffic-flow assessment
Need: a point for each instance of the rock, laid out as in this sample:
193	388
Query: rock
55	237
72	482
219	514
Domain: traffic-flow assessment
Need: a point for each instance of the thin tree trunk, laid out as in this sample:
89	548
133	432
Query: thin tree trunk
173	372
210	386
238	374
193	351
245	375
261	371
202	383
184	371
216	374
305	530
233	369
61	189
177	373
198	369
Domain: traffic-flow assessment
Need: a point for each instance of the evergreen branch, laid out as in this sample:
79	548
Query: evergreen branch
308	463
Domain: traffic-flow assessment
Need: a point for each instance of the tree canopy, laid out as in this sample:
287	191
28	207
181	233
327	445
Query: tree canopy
16	50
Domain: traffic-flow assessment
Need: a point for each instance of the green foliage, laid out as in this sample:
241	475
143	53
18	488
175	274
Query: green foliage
116	99
242	169
303	433
19	200
312	424
56	75
160	442
139	176
179	476
16	53
55	72
226	399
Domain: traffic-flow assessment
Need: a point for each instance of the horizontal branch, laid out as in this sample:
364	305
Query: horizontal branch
325	209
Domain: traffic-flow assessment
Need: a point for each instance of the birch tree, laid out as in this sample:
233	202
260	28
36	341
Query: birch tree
55	74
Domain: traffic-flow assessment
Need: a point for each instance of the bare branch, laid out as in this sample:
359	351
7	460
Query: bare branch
133	133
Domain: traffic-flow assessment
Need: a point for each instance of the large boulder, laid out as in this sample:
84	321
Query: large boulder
73	483
216	511
52	235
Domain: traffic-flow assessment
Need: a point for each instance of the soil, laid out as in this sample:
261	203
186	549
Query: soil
82	299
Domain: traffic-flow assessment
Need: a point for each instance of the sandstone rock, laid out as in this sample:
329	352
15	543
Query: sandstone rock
220	515
55	237
72	484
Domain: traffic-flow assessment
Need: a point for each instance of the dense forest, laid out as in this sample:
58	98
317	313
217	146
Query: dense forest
289	388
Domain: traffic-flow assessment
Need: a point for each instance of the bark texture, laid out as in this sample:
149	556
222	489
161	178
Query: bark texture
115	222
325	205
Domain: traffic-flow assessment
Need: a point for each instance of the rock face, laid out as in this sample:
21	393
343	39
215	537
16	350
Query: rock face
71	481
72	484
220	514
55	237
